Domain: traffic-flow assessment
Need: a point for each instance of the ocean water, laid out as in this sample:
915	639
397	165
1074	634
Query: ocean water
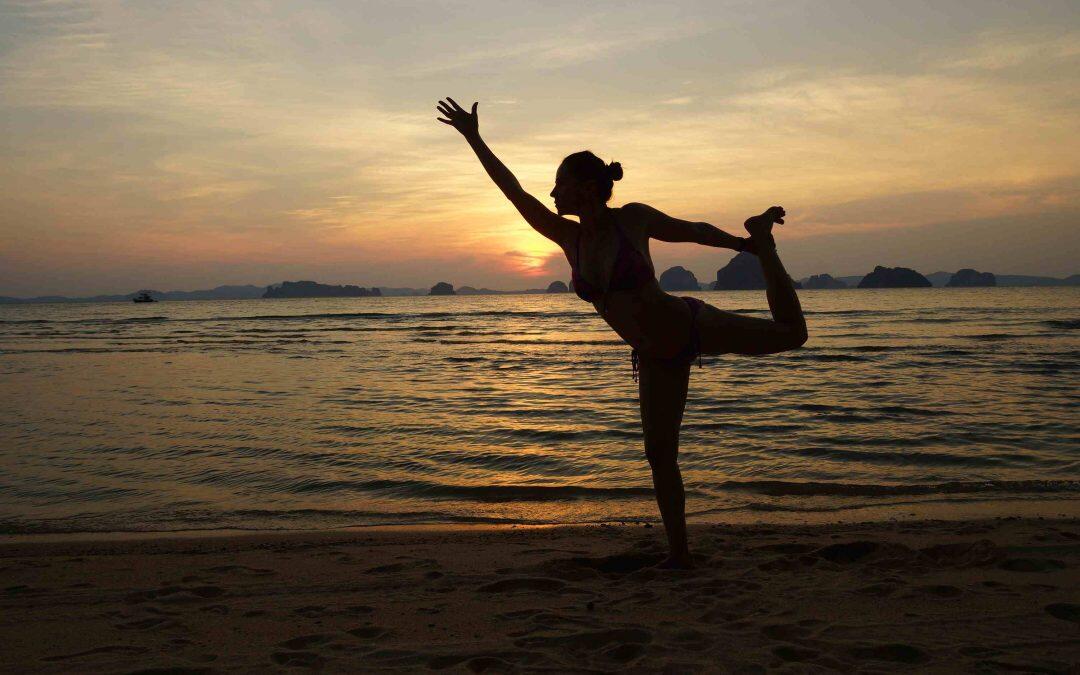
521	409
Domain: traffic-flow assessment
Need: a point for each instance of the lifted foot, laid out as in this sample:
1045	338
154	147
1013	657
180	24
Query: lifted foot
760	227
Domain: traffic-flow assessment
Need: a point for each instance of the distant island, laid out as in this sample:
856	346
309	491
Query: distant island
894	277
823	281
218	293
741	275
311	289
678	279
442	288
966	278
942	279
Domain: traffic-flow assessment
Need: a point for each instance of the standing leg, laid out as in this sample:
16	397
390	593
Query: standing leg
662	388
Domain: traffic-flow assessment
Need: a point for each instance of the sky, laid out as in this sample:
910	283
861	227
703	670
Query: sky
185	145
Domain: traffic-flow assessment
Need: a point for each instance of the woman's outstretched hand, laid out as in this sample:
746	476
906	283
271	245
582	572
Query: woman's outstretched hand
456	117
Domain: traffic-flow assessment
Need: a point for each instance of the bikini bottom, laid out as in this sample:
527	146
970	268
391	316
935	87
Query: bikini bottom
690	350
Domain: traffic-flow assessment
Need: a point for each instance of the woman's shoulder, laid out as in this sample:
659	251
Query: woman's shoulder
633	220
635	216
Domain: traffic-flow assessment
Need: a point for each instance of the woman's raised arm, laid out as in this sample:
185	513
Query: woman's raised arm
542	219
660	225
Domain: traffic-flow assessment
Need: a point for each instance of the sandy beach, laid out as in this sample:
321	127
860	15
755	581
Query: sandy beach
933	595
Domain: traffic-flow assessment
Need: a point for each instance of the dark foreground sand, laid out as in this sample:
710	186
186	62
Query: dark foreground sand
926	596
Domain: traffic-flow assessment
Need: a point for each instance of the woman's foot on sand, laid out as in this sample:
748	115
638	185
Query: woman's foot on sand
760	227
673	563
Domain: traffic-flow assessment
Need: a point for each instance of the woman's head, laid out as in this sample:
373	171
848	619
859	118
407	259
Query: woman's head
583	178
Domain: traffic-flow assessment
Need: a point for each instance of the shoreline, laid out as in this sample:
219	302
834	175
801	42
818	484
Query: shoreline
944	510
938	595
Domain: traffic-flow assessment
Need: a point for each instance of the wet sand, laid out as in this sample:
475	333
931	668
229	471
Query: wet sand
925	595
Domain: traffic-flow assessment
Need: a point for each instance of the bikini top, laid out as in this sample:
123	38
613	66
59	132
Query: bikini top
631	270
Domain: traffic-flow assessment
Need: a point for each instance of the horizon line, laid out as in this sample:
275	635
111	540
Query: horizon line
455	287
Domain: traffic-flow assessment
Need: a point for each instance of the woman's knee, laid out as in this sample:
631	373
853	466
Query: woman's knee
662	454
786	337
799	335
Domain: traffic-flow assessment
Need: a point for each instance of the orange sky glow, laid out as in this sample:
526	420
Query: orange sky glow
188	145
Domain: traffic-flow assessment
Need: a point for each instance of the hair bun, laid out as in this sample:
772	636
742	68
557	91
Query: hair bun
614	170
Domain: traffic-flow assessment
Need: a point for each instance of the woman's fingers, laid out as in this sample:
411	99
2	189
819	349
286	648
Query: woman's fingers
445	121
451	108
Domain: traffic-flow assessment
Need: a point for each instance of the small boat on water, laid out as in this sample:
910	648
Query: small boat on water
143	296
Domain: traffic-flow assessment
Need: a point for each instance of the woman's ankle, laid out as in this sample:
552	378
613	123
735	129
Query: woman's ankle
764	242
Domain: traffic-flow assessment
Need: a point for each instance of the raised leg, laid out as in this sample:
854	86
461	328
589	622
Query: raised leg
726	332
779	289
662	386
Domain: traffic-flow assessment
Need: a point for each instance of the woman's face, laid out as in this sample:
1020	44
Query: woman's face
568	193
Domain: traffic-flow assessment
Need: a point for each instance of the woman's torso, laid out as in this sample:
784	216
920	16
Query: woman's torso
636	307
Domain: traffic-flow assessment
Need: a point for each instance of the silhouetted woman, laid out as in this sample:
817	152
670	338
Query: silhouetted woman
608	252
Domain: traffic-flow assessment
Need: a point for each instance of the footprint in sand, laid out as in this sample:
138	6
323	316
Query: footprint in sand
626	652
941	591
896	653
551	620
306	641
550	550
981	553
591	640
785	631
518	614
387	569
877	590
694	640
846	553
176	594
785	549
584	568
146	624
319	611
297	655
242	569
1065	611
1032	565
792	653
111	649
719	615
535	584
298	659
368	632
499	662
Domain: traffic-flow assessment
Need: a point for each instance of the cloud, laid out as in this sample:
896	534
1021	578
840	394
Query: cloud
591	38
305	135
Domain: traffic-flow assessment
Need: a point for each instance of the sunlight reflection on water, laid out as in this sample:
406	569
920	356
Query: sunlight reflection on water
332	412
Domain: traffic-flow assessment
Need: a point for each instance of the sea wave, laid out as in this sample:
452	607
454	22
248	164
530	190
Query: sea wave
778	488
